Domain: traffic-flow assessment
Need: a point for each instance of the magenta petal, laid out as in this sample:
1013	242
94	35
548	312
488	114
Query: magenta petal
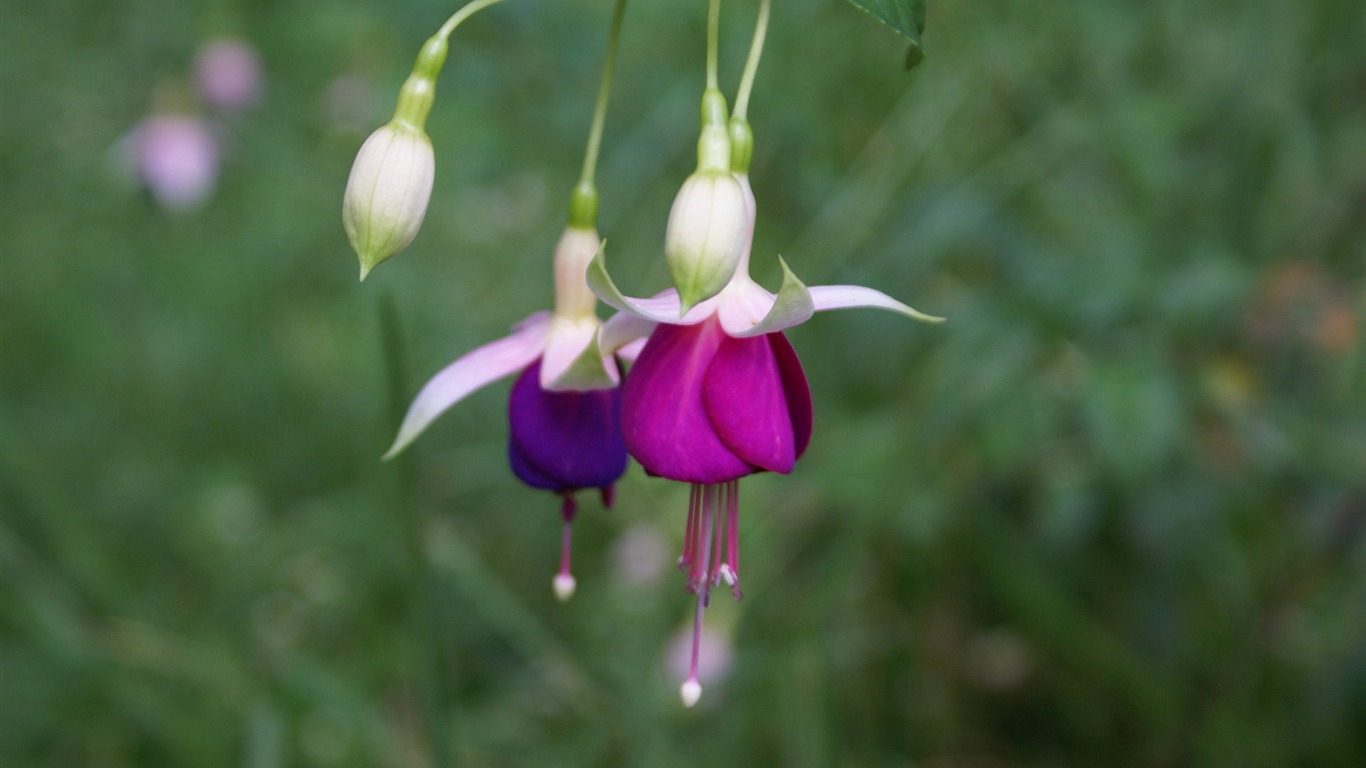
743	393
664	423
795	388
562	441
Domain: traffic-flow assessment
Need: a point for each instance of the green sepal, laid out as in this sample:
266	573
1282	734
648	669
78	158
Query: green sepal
792	306
586	372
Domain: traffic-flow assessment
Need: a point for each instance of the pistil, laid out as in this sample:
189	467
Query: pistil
563	582
711	555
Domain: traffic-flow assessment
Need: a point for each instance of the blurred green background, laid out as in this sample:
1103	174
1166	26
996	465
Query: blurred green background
1112	513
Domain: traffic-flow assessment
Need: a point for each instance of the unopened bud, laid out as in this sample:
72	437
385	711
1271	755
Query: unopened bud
708	228
391	180
387	194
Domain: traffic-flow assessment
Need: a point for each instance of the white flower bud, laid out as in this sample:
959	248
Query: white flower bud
708	228
387	194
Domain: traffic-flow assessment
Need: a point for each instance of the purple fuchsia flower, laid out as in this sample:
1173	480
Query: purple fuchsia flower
718	393
564	409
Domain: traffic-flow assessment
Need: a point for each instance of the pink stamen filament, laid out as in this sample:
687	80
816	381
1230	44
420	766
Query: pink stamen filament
689	533
730	569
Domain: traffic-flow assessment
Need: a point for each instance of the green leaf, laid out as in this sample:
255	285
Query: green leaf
905	17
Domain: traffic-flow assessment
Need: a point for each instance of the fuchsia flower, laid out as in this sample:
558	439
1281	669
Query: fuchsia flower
564	409
228	72
716	394
176	157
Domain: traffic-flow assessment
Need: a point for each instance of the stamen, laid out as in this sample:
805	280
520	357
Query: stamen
730	569
564	583
689	544
702	536
718	531
609	495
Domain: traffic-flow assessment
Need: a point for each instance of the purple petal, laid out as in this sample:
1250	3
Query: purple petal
527	472
664	422
743	394
795	389
562	441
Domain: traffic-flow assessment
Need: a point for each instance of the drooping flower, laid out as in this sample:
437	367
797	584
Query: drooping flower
717	393
564	409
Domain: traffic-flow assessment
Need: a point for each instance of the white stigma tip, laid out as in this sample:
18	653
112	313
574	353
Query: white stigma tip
564	585
690	693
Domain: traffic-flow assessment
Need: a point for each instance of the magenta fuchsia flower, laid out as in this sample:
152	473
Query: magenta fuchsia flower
716	394
564	409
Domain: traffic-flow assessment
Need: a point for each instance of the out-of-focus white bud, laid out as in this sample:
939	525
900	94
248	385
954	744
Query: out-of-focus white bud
177	158
709	225
228	72
387	193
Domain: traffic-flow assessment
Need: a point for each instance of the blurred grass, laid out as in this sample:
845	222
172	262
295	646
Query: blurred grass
1112	513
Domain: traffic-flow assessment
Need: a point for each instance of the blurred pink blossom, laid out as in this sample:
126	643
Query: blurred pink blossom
641	554
176	156
229	74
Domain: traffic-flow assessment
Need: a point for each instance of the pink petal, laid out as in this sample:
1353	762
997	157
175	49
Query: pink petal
849	296
664	422
795	389
474	370
743	394
572	361
621	330
630	352
747	299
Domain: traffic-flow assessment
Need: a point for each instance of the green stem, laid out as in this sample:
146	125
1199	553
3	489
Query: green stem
421	587
756	50
583	203
462	14
713	25
590	157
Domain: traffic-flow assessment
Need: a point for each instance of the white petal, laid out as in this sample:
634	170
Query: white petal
792	306
623	329
477	368
662	308
849	296
572	359
630	352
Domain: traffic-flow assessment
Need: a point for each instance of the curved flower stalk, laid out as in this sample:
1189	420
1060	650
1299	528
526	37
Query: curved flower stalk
718	393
